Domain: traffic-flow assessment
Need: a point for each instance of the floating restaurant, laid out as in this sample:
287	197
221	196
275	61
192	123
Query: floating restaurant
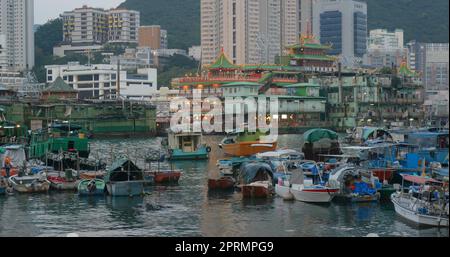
314	91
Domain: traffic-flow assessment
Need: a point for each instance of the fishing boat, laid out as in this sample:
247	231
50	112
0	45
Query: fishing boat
355	184
433	146
256	180
244	143
17	156
92	174
30	184
186	145
317	142
63	182
91	187
161	172
283	189
428	205
3	186
361	135
306	188
124	178
222	183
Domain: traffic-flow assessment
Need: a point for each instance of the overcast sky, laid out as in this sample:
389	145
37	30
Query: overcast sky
50	9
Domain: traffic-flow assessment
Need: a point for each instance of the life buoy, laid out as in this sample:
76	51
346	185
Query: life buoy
208	149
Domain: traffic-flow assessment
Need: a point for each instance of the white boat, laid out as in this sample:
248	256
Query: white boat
421	211
305	191
30	184
313	194
283	190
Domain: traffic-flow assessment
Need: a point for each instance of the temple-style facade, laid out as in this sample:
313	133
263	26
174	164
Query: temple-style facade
313	91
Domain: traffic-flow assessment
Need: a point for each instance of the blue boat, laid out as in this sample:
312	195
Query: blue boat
124	178
433	146
187	146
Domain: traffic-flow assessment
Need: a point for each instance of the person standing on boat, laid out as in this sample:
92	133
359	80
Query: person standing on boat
8	166
315	174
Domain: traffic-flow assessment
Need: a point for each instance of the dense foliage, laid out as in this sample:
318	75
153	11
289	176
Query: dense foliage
180	18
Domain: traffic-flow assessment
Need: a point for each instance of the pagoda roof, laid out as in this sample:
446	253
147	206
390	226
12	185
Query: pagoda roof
313	57
232	84
310	45
405	71
59	86
222	62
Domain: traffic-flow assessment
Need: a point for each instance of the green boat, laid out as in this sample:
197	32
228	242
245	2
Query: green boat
187	146
91	187
61	137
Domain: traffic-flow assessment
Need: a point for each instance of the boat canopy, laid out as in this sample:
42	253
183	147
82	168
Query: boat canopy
251	172
314	135
120	169
15	152
283	153
419	179
374	133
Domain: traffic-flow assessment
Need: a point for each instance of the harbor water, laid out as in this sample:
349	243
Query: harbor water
188	209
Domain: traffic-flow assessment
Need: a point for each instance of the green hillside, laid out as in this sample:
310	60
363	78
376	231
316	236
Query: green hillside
423	20
180	17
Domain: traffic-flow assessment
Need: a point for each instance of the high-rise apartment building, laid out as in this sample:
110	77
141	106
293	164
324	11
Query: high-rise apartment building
16	34
249	31
342	23
305	16
90	26
123	26
85	25
3	52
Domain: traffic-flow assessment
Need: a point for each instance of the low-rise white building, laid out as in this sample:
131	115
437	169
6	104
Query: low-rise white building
99	81
195	52
385	48
11	79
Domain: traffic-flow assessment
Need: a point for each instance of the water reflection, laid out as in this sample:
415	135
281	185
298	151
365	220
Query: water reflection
189	209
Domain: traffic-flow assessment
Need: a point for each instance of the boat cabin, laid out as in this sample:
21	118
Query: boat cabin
187	142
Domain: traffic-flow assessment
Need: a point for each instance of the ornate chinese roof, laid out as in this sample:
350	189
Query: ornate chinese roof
222	62
405	71
59	86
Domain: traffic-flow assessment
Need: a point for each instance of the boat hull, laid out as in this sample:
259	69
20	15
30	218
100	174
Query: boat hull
224	183
284	192
313	195
62	185
200	154
256	191
167	177
125	188
248	148
84	191
34	186
420	219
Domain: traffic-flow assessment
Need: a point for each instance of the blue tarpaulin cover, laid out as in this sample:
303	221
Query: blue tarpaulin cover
362	188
